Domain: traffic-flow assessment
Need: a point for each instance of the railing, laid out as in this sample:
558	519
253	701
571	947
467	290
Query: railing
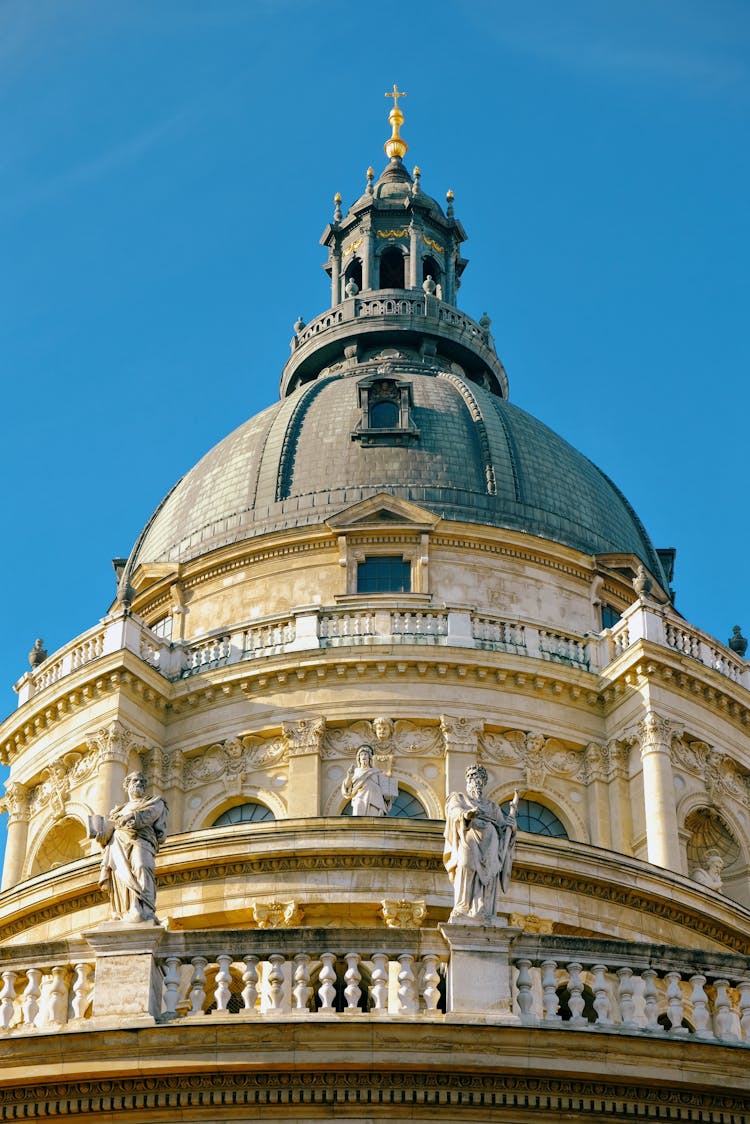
339	627
318	982
632	992
41	996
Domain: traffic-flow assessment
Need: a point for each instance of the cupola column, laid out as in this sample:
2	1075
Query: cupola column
16	804
335	277
461	737
367	256
413	256
662	837
449	292
304	741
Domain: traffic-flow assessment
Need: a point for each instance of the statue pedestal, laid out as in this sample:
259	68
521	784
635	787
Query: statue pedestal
127	982
479	973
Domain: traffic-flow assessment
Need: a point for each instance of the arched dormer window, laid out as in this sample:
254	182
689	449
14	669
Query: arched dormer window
392	269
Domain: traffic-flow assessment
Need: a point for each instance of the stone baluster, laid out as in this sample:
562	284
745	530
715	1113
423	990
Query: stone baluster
352	990
429	982
223	991
602	1001
701	1016
198	985
379	984
327	977
625	998
7	995
172	985
675	1009
550	1000
275	981
30	999
250	985
525	997
407	989
58	997
744	988
82	989
576	1002
723	1021
648	975
302	992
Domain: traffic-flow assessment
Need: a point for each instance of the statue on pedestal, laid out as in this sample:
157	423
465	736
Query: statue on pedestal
480	843
131	835
370	790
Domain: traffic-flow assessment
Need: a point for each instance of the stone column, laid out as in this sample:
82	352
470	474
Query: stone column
662	836
620	811
335	278
597	797
113	745
413	278
16	804
366	257
461	736
303	741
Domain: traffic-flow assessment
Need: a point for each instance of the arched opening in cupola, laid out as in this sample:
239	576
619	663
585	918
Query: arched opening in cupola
63	843
252	811
392	269
430	268
353	273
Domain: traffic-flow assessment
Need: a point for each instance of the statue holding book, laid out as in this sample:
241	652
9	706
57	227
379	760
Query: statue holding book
130	836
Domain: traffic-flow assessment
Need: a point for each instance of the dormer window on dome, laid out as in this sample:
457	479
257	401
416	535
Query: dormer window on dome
385	403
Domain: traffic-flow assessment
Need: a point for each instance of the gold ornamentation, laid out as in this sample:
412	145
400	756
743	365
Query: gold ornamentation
352	247
277	915
396	146
434	245
394	233
403	914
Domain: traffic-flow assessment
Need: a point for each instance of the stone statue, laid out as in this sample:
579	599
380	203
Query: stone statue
131	835
38	654
710	875
370	791
480	843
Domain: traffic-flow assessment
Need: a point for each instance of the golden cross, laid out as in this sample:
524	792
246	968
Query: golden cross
395	94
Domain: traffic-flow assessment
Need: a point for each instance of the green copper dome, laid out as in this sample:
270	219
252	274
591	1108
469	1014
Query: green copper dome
470	456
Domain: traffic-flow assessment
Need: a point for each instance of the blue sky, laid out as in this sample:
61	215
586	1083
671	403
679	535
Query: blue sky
167	168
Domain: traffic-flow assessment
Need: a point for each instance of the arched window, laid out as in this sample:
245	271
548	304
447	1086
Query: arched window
251	812
385	414
537	819
430	268
406	806
392	272
354	273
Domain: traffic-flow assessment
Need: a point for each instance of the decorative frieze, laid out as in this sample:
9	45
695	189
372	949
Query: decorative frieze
304	736
233	759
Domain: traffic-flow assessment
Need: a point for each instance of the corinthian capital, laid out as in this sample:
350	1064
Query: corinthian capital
15	802
461	733
305	736
112	743
655	731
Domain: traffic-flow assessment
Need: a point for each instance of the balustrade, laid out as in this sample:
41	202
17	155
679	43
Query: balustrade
303	984
38	997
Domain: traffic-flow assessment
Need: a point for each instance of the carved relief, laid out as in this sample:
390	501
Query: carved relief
538	756
59	778
461	733
277	915
722	777
387	739
403	914
232	759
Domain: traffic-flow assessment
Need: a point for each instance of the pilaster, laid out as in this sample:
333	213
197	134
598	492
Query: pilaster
461	736
304	740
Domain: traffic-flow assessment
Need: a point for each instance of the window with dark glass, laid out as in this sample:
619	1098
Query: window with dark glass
392	273
537	819
384	414
384	573
251	812
610	616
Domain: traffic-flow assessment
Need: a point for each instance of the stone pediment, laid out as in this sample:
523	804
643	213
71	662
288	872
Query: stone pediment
383	508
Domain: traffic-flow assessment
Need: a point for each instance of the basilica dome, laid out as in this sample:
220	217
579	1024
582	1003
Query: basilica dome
467	455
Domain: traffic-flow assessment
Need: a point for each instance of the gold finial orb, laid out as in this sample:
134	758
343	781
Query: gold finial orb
337	197
396	146
449	196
